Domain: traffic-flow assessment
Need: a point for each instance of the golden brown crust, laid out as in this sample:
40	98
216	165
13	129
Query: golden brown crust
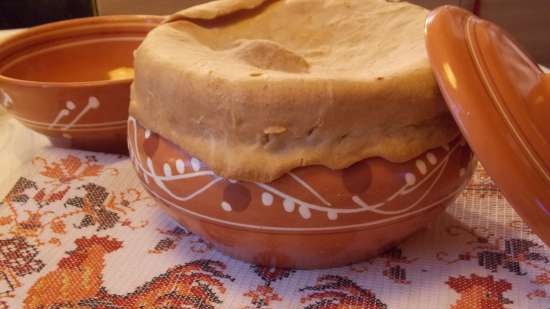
300	82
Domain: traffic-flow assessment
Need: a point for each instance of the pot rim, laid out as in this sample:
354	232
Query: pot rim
94	24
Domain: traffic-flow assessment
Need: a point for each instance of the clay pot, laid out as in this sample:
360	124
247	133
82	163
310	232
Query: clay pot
54	79
500	99
311	217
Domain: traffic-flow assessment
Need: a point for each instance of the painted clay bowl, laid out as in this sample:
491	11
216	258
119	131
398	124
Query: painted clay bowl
311	217
54	79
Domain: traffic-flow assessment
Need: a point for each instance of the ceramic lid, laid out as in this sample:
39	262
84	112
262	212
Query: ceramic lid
501	101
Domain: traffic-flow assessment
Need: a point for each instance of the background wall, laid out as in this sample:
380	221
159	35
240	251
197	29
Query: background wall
168	6
161	7
527	20
26	13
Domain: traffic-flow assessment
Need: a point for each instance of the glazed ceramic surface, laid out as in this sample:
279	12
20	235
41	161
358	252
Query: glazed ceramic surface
501	100
312	216
54	79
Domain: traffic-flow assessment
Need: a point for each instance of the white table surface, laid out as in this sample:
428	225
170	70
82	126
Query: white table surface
18	145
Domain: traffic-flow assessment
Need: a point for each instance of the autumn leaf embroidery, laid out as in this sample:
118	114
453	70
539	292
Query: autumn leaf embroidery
17	193
43	198
6	220
70	168
58	227
262	296
104	209
17	259
170	242
333	291
94	205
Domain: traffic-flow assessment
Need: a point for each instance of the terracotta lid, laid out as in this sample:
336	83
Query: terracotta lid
501	101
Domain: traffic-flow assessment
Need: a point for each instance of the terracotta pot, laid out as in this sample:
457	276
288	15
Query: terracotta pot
311	217
54	79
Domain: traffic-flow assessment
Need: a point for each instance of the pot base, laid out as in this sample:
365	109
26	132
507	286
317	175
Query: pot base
308	250
109	143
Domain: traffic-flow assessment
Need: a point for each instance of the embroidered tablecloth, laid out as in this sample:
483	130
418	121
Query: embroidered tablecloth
77	230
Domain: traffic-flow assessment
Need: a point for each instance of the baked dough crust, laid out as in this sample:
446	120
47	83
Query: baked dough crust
256	88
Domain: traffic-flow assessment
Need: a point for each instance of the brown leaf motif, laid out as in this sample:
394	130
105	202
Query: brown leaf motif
103	209
333	291
493	253
173	236
395	263
93	205
17	193
164	245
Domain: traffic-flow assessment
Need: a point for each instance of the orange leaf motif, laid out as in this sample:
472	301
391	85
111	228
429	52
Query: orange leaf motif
6	220
92	170
58	227
55	241
39	196
542	279
71	164
69	168
53	171
57	196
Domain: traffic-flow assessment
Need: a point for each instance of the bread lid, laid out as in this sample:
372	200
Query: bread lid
501	101
254	89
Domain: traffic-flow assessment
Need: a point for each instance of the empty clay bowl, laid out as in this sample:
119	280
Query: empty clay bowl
55	79
311	217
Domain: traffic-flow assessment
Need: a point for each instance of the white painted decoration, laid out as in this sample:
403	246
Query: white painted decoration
180	166
288	205
267	199
421	166
410	179
195	164
304	212
226	206
167	170
431	158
